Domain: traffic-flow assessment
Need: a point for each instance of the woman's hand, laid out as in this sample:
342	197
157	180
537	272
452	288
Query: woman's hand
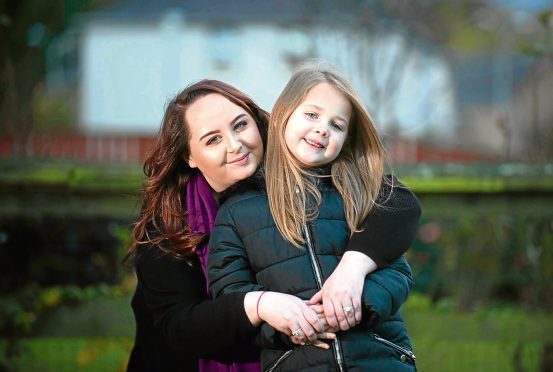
286	313
341	293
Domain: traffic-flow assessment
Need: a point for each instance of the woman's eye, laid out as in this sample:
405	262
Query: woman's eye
240	125
213	140
311	115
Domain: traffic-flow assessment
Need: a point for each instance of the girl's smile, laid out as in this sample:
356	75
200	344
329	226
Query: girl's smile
314	143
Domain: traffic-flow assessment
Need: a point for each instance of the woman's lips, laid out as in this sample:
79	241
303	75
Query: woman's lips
241	160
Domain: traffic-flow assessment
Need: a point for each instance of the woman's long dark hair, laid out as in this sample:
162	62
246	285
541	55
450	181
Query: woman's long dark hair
163	221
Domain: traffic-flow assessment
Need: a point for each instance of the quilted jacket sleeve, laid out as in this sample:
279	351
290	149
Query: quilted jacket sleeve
229	271
385	291
228	268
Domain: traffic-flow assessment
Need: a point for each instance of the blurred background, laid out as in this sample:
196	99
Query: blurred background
461	92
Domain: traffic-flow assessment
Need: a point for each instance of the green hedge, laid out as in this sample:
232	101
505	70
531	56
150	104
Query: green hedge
424	178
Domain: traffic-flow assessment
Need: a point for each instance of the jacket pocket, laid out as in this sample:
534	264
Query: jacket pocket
406	354
273	366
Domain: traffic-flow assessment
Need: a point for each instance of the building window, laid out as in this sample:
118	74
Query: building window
223	47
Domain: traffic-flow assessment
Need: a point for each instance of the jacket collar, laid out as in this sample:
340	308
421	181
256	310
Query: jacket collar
254	182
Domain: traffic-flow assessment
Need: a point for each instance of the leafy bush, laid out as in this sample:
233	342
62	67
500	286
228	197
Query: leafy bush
497	249
20	312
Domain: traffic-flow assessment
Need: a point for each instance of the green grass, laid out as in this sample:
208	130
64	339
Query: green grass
98	337
479	341
74	354
446	355
111	318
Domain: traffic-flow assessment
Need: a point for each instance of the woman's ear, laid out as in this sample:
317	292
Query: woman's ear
191	163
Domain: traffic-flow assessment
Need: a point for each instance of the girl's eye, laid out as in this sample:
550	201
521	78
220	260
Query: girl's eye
337	126
311	115
213	140
240	125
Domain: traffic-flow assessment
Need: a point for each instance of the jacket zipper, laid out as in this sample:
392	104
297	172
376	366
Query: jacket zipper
319	278
401	349
279	360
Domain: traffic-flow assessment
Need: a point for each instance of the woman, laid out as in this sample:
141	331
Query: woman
177	324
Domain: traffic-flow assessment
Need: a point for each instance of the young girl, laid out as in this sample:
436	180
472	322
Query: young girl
324	173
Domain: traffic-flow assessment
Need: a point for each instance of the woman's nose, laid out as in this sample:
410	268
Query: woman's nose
234	144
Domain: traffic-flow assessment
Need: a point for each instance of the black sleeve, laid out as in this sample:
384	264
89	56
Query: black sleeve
175	294
391	226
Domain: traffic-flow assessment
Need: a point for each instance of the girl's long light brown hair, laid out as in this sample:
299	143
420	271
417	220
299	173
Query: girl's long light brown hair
163	221
356	173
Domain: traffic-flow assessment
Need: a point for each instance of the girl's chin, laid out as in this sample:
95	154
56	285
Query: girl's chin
309	161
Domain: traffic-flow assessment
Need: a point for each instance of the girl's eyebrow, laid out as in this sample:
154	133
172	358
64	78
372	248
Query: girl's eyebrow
313	105
317	107
238	117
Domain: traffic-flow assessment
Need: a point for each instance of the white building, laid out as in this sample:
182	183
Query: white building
136	55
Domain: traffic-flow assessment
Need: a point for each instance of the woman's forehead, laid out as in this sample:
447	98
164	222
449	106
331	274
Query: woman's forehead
213	104
212	110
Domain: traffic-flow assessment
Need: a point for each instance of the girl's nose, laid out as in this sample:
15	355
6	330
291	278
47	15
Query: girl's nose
322	131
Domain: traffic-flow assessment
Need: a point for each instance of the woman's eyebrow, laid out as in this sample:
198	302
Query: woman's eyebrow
238	117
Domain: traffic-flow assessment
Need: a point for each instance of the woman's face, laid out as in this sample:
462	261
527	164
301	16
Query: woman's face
225	144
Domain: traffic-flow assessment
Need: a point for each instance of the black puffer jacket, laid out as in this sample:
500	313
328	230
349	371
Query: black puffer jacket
248	253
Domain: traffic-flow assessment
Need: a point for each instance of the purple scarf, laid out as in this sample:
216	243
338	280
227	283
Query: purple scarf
202	209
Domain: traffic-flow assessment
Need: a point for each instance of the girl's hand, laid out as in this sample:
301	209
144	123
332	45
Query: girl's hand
292	316
341	293
317	343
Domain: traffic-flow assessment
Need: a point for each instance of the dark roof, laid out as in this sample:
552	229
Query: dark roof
241	10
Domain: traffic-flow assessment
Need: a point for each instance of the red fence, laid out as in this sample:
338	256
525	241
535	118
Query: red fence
101	149
134	149
410	152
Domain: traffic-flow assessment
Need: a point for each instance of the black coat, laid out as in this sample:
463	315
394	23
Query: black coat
175	321
248	253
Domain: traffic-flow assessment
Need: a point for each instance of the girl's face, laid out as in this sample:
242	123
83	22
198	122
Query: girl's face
318	128
225	144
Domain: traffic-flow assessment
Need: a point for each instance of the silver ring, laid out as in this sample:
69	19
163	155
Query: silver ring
297	333
347	309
